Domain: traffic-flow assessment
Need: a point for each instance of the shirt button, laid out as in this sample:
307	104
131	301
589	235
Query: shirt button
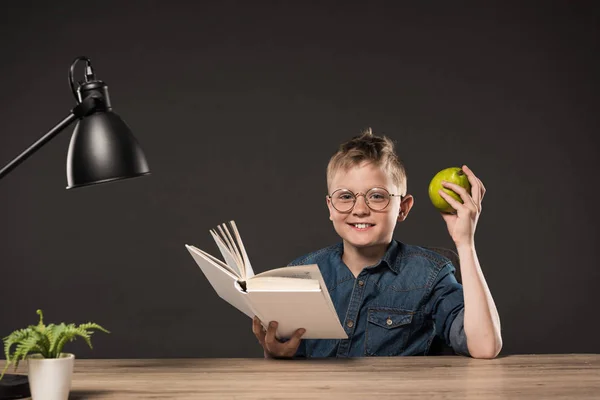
350	324
360	283
389	321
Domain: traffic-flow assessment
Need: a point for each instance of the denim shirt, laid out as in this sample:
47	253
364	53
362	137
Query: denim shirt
393	308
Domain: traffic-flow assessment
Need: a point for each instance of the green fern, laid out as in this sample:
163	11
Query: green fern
46	340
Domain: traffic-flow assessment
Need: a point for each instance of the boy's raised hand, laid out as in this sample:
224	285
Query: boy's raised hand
273	347
462	224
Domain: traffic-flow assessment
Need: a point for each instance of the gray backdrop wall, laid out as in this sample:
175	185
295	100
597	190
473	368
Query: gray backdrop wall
239	106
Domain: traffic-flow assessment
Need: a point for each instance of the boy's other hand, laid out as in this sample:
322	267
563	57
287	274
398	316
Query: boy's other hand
462	224
271	345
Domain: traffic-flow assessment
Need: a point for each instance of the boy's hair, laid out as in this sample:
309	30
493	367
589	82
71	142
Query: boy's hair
367	147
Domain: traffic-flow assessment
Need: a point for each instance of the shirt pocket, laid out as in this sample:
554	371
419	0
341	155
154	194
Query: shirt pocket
388	331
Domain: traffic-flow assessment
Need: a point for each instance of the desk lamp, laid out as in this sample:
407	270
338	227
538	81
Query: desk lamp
102	149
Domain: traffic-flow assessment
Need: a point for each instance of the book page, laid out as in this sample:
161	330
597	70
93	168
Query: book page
216	261
276	283
222	281
227	256
301	272
248	267
235	250
225	240
298	309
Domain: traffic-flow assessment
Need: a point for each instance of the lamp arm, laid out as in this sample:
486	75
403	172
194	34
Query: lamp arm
90	105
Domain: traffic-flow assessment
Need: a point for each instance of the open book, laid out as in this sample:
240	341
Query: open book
296	297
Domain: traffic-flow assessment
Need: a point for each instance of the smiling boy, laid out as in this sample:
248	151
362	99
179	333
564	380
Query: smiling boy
393	298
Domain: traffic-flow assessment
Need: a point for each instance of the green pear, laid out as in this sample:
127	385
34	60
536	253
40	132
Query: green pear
454	175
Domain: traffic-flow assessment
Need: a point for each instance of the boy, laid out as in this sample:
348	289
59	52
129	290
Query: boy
393	298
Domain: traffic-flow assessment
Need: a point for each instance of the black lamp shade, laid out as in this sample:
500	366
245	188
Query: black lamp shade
103	149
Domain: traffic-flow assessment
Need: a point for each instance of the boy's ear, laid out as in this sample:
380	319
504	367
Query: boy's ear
328	201
407	202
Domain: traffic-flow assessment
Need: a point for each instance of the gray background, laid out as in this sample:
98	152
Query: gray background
238	108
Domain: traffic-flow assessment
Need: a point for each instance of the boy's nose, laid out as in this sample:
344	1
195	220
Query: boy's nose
360	206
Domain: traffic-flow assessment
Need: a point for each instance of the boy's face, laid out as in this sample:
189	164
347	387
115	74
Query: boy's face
380	224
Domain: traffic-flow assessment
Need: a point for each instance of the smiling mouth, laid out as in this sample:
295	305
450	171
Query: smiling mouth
362	226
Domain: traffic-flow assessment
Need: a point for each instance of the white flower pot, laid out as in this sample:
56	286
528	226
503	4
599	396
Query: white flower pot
50	378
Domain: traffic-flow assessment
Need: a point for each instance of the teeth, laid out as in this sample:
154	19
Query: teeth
362	226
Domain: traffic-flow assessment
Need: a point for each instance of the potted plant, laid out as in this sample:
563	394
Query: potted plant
49	369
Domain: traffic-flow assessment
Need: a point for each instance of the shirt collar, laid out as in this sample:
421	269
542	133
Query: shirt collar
389	259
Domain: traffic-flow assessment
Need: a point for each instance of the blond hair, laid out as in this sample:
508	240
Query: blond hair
370	148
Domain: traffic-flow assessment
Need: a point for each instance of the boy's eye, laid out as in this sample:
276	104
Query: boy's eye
377	196
345	197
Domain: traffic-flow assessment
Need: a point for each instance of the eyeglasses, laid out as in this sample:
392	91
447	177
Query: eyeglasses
377	199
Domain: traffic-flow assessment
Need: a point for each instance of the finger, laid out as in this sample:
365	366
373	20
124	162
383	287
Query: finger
457	205
294	342
271	342
474	181
482	188
258	330
462	192
256	325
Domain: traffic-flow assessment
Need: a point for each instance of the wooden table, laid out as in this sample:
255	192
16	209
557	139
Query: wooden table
575	376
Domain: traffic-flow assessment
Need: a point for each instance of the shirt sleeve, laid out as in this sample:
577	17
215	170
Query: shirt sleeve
447	306
458	338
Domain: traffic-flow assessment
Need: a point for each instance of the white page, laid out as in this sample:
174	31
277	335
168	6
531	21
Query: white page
277	283
221	235
299	309
235	250
227	256
247	265
222	281
218	263
311	271
230	246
